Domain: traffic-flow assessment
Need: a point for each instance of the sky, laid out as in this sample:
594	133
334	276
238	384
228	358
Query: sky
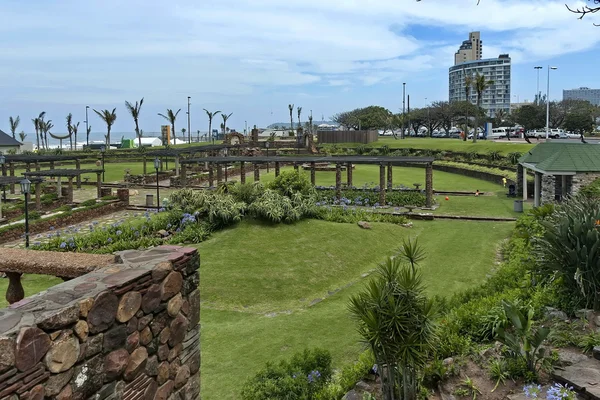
252	58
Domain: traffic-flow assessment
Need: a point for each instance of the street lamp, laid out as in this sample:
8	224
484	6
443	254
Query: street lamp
267	146
403	104
87	129
102	151
156	167
537	93
548	103
25	188
189	126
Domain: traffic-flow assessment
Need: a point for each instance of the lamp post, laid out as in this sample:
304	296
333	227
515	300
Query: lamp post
156	167
25	188
87	127
537	93
267	146
189	125
548	103
2	162
403	104
102	151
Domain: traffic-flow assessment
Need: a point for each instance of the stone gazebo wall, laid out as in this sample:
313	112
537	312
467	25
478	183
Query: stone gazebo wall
129	330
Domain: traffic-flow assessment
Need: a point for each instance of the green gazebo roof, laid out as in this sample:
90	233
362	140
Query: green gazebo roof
563	158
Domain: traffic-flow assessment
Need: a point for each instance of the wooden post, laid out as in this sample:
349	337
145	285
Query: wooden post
276	168
177	165
98	184
11	167
256	172
219	173
78	167
389	177
349	174
338	182
313	173
382	184
144	161
211	175
242	172
27	167
51	164
70	191
59	187
37	166
15	291
38	195
429	185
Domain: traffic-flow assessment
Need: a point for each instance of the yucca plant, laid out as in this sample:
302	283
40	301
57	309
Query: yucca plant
494	155
513	157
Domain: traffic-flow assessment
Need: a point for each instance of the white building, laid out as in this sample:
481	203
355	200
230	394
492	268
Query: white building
150	142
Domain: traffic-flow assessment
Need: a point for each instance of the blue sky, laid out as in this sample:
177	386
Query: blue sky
253	58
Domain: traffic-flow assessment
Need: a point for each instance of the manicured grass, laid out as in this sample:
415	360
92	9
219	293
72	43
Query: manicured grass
257	283
32	284
493	204
482	146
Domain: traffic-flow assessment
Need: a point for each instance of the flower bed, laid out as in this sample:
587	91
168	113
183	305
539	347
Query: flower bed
370	197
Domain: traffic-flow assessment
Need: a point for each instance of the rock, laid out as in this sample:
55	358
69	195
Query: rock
597	321
174	368
133	341
151	299
85	306
103	312
585	313
159	323
65	394
115	363
178	328
132	325
364	225
362	385
553	313
94	345
145	336
144	321
182	377
568	357
137	363
36	393
32	344
185	308
164	391
56	382
194	314
162	233
130	304
82	330
59	319
63	354
448	362
115	338
164	336
596	352
445	394
171	285
174	305
583	376
152	347
151	390
152	366
163	372
7	353
163	352
88	378
175	352
352	395
161	271
487	353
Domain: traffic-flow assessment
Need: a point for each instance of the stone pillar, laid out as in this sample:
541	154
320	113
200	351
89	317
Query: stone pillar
123	195
256	172
429	185
15	291
338	181
389	177
219	173
98	184
58	187
38	195
537	189
70	191
382	184
51	164
11	167
313	173
524	182
548	189
276	168
349	174
3	169
519	180
242	172
564	190
183	172
226	166
211	175
78	167
177	165
37	166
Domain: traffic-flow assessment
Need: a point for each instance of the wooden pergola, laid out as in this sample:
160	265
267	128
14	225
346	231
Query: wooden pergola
338	161
70	174
11	180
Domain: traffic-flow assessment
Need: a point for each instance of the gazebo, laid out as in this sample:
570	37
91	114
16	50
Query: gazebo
560	169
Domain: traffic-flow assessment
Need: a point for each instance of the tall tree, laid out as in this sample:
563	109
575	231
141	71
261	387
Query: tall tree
444	114
299	113
88	130
579	122
531	116
171	117
210	115
291	108
481	83
372	117
500	117
109	118
14	124
69	131
45	128
75	128
468	84
134	110
37	123
22	136
225	118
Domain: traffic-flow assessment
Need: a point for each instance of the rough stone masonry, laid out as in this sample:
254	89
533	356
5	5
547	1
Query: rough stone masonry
126	331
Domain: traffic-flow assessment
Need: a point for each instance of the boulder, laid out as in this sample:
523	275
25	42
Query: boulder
364	225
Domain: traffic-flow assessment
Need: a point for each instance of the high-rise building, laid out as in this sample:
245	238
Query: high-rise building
583	93
497	96
469	50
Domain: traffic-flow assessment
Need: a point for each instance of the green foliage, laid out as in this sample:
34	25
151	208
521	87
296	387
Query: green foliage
247	192
494	155
274	207
220	210
110	197
372	117
480	168
472	389
33	215
370	197
498	370
301	378
592	190
569	250
87	203
395	319
290	182
352	215
589	341
191	233
513	157
521	338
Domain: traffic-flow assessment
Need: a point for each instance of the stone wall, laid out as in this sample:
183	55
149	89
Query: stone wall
548	189
126	331
582	179
148	178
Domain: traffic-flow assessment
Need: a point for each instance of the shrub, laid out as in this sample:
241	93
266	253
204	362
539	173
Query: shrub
274	207
592	190
352	215
298	379
88	203
371	197
219	209
290	182
191	233
247	192
514	157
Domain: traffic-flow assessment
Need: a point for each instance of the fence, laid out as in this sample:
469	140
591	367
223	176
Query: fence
347	136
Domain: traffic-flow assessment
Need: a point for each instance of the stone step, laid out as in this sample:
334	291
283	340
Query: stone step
584	376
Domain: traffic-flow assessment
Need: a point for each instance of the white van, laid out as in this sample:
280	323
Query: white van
499	133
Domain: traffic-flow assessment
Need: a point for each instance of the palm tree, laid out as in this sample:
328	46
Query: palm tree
45	127
171	117
291	108
183	130
37	123
500	117
14	124
210	118
22	136
481	83
87	134
109	119
75	128
134	110
225	118
468	84
310	123
299	112
69	130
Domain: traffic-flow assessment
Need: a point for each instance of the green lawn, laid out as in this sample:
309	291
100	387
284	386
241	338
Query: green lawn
482	146
32	284
258	281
